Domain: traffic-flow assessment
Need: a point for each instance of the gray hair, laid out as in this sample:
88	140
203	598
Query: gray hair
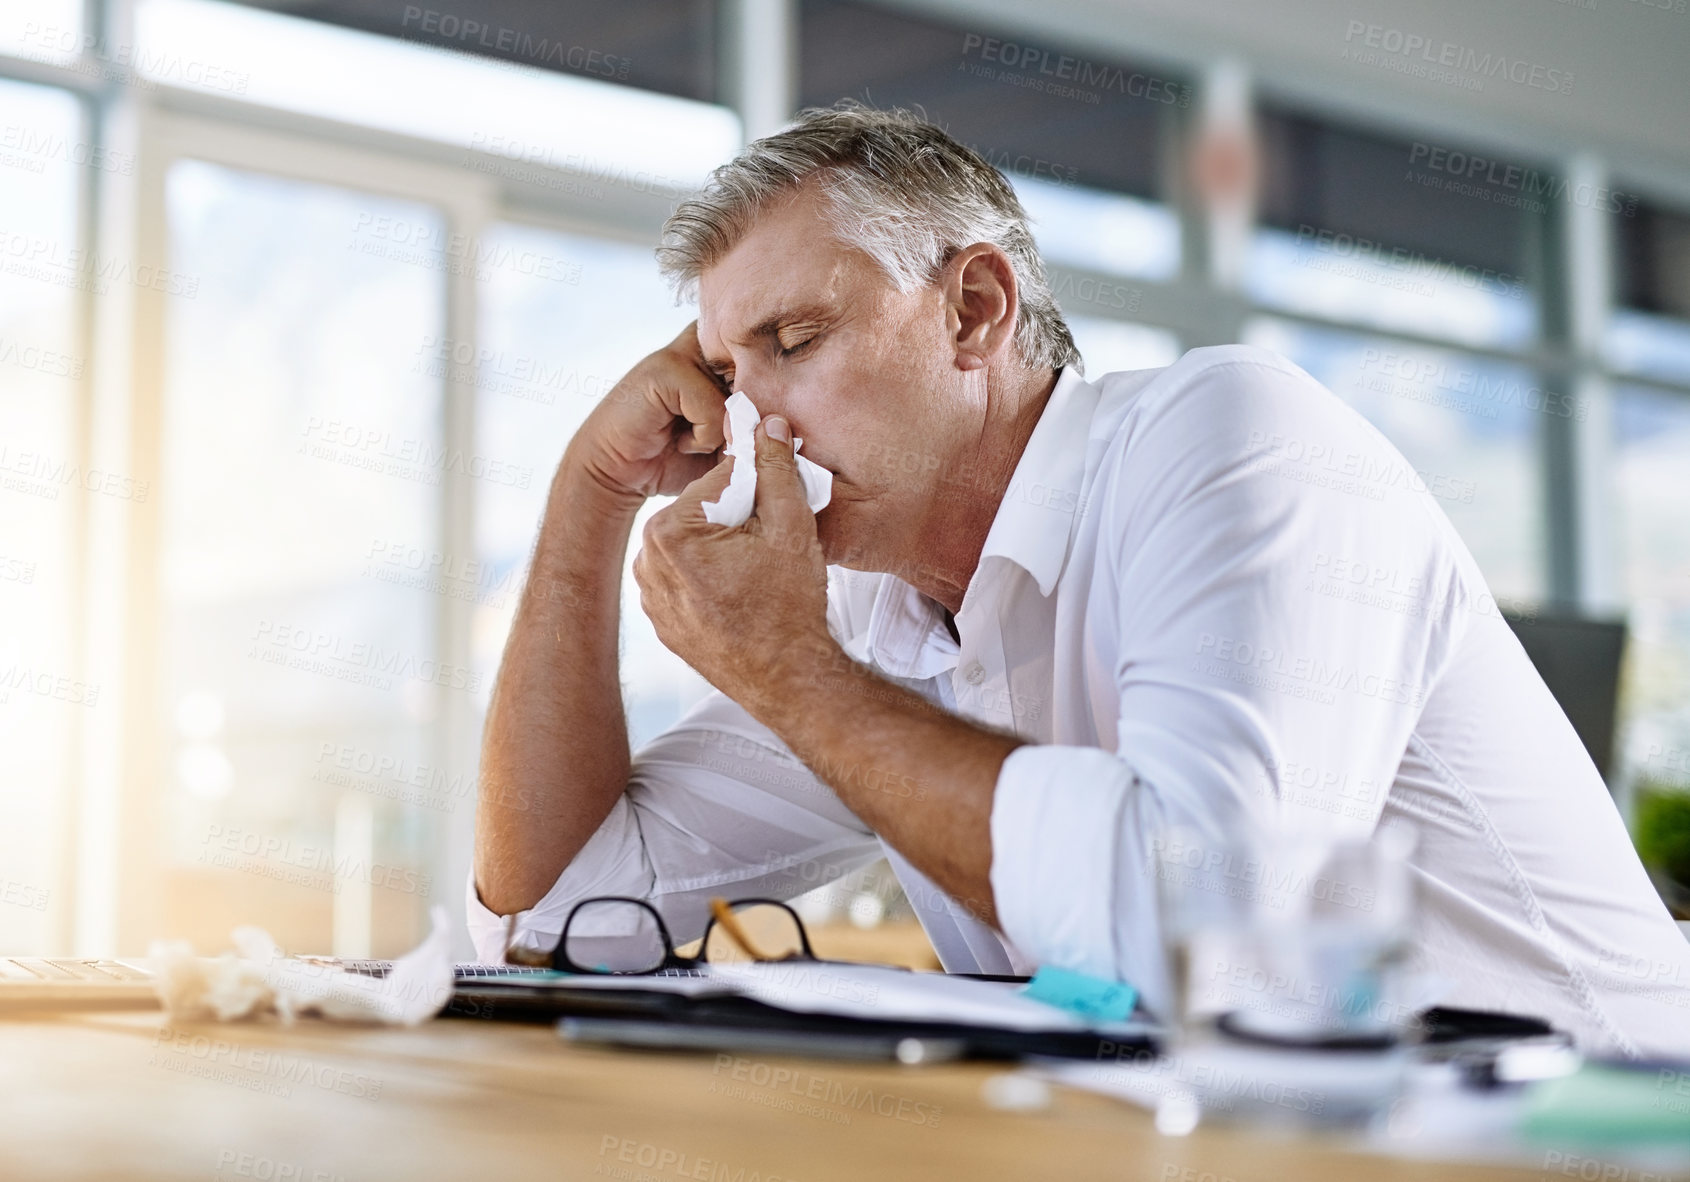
898	188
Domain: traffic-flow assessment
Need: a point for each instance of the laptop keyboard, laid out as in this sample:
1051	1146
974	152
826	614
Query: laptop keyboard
41	970
466	972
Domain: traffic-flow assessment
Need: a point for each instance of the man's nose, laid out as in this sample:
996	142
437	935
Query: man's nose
770	396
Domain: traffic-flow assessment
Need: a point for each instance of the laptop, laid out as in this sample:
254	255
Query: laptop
48	983
70	983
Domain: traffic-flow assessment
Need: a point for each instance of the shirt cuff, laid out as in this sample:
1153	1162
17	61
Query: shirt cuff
1070	874
611	863
487	931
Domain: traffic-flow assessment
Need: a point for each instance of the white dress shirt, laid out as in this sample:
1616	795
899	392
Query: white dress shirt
1213	594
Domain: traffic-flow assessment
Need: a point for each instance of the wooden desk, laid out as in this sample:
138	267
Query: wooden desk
127	1096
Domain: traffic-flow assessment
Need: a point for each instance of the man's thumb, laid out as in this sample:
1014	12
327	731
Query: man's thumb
779	490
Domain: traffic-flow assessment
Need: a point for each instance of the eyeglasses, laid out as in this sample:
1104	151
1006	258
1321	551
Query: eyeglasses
623	935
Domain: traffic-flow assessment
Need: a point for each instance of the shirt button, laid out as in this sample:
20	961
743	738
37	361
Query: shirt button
973	673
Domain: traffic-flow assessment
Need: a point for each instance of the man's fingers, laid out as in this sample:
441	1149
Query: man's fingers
690	504
780	501
697	396
701	403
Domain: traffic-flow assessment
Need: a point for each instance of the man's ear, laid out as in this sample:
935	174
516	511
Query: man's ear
982	302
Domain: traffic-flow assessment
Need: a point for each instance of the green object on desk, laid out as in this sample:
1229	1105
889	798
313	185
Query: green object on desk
1603	1103
1090	997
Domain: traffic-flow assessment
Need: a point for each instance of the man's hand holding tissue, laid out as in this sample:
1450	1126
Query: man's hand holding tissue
742	605
746	607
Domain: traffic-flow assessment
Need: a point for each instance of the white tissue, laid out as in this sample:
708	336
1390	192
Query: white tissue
735	504
259	978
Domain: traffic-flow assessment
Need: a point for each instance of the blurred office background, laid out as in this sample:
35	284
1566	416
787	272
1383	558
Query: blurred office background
300	301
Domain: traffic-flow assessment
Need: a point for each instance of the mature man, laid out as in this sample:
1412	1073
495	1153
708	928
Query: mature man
1042	621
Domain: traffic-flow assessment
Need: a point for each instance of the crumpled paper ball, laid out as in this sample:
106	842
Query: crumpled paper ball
734	506
258	978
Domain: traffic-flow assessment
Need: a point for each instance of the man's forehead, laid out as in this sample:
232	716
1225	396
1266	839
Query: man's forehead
788	263
742	298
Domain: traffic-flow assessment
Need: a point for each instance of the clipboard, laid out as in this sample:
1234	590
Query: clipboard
726	1013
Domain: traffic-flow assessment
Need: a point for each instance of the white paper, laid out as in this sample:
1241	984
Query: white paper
699	986
873	991
258	978
734	506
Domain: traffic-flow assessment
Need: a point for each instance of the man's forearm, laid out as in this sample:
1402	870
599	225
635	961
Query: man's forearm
920	777
555	753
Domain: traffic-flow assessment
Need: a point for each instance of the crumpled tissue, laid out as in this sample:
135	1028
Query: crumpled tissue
258	978
735	504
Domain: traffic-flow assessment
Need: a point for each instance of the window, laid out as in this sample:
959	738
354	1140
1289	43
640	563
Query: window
549	352
44	480
1408	235
666	46
1649	333
303	450
613	133
1110	346
1469	426
1652	492
43	30
1097	231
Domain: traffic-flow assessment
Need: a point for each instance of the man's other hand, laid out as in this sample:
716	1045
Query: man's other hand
659	428
739	604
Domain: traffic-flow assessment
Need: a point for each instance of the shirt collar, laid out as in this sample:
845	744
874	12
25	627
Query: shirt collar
906	634
1036	517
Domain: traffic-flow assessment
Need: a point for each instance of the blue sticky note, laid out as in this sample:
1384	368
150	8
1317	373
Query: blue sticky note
1090	997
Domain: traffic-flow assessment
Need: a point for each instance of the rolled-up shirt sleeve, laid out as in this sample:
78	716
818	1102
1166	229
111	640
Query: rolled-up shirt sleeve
716	805
1250	691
